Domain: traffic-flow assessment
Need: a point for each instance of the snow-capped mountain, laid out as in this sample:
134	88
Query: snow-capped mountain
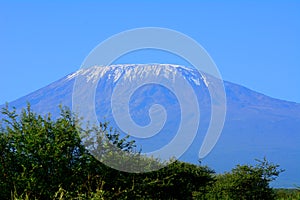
256	125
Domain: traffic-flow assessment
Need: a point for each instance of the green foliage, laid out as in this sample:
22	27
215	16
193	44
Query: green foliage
287	194
178	180
38	155
246	182
42	158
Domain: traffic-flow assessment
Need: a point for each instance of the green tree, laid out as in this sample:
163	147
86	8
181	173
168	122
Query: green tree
181	180
39	156
246	182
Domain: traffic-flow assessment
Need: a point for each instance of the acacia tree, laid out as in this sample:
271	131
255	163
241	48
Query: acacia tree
39	156
246	182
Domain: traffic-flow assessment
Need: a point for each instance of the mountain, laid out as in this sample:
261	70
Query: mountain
255	126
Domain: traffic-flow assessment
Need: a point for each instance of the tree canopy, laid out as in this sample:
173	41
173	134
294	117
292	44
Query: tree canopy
45	158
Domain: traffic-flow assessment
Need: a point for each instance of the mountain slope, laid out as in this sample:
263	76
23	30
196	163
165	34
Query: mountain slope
255	126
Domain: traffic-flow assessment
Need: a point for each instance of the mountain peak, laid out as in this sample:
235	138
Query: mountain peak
131	71
256	125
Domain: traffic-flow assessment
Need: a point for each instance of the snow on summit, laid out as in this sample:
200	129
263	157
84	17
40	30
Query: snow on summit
132	71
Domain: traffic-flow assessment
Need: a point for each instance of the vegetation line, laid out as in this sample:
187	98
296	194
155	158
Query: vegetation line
43	158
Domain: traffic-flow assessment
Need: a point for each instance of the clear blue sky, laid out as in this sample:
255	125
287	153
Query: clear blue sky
254	44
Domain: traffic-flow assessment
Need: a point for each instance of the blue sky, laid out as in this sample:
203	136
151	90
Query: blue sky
253	44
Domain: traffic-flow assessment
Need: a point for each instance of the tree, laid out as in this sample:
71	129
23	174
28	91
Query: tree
39	156
181	180
246	182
